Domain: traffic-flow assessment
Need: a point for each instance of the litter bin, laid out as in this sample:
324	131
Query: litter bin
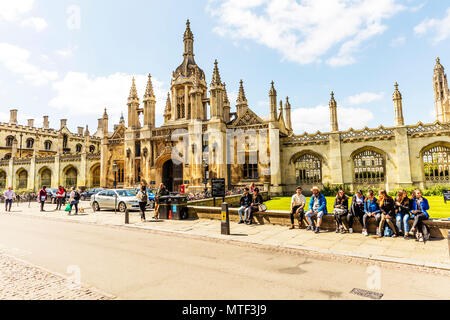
179	207
164	207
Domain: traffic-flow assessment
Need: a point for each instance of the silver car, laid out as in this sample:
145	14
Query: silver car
119	199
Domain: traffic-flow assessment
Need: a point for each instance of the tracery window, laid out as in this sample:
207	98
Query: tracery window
9	141
436	164
308	169
369	167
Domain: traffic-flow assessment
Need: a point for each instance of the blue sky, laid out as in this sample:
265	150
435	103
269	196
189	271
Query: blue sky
71	59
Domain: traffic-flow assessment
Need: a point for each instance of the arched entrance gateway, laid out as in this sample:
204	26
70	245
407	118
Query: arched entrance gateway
172	175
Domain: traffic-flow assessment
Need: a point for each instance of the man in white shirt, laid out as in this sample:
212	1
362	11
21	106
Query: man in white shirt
298	202
9	197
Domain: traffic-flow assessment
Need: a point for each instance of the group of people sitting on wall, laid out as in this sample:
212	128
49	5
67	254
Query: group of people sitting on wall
396	213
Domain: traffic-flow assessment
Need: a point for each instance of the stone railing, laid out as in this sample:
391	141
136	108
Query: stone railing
317	138
22	162
439	229
91	156
434	129
380	133
45	160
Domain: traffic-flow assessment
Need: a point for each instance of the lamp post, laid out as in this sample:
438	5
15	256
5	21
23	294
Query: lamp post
205	181
20	148
114	167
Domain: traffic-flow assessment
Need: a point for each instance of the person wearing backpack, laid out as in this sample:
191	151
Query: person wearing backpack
142	198
74	200
419	213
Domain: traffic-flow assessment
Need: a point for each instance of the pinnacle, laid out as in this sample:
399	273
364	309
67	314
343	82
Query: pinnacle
272	91
133	91
225	97
149	90
241	95
216	75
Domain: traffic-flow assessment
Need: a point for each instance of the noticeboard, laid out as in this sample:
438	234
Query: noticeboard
446	195
218	187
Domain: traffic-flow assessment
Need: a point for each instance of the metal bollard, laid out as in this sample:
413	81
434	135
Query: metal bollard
127	216
225	225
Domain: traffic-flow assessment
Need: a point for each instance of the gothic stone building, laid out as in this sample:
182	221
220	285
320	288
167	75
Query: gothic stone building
202	138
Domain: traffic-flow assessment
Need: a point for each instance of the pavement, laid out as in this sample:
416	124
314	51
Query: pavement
433	254
126	263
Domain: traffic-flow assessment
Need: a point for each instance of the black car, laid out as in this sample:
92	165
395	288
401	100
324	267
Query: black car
86	195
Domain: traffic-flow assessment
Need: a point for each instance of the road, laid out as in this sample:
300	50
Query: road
132	264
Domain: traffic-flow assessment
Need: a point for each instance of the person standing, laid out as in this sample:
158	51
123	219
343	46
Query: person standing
74	200
371	210
340	210
142	198
257	200
43	197
356	210
420	207
317	208
245	202
387	213
60	198
162	191
9	197
252	188
402	207
298	202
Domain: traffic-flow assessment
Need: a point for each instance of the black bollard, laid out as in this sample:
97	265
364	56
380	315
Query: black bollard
225	225
127	216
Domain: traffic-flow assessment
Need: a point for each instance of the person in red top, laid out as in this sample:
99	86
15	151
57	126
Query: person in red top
42	197
60	197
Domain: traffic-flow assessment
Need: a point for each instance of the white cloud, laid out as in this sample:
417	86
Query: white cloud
439	27
67	52
83	94
16	60
12	10
308	30
365	97
318	119
398	42
38	24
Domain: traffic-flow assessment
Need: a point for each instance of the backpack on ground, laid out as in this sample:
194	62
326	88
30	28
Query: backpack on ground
388	232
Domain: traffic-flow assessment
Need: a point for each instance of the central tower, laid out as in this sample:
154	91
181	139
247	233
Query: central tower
188	87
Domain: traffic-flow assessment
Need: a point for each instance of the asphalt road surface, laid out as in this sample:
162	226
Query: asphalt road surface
133	264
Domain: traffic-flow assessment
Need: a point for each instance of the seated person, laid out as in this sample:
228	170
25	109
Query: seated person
257	200
387	208
340	210
402	208
317	208
245	201
419	212
356	210
298	202
371	210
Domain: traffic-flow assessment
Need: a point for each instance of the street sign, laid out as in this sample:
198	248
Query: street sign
218	187
446	195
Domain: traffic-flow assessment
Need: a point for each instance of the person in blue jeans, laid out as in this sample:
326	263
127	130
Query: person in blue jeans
402	207
371	209
317	208
245	201
419	211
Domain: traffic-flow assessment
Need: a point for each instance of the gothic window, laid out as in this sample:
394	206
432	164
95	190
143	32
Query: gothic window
48	145
369	167
2	179
9	141
436	162
96	177
180	107
137	150
7	156
71	177
30	143
22	179
250	170
92	149
308	169
65	139
78	148
46	178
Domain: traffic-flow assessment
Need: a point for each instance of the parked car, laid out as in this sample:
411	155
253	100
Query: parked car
86	195
120	199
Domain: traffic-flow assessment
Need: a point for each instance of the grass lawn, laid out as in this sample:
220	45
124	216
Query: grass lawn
438	207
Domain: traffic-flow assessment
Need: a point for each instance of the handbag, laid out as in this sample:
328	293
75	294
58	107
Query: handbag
262	207
68	208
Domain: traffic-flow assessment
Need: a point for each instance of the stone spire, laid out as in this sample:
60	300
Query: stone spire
226	105
149	89
167	110
241	102
333	114
133	91
273	102
188	40
133	105
441	93
287	110
216	75
105	125
281	110
398	107
122	119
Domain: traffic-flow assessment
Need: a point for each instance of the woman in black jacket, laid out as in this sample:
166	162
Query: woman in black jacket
387	208
340	210
254	207
356	210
